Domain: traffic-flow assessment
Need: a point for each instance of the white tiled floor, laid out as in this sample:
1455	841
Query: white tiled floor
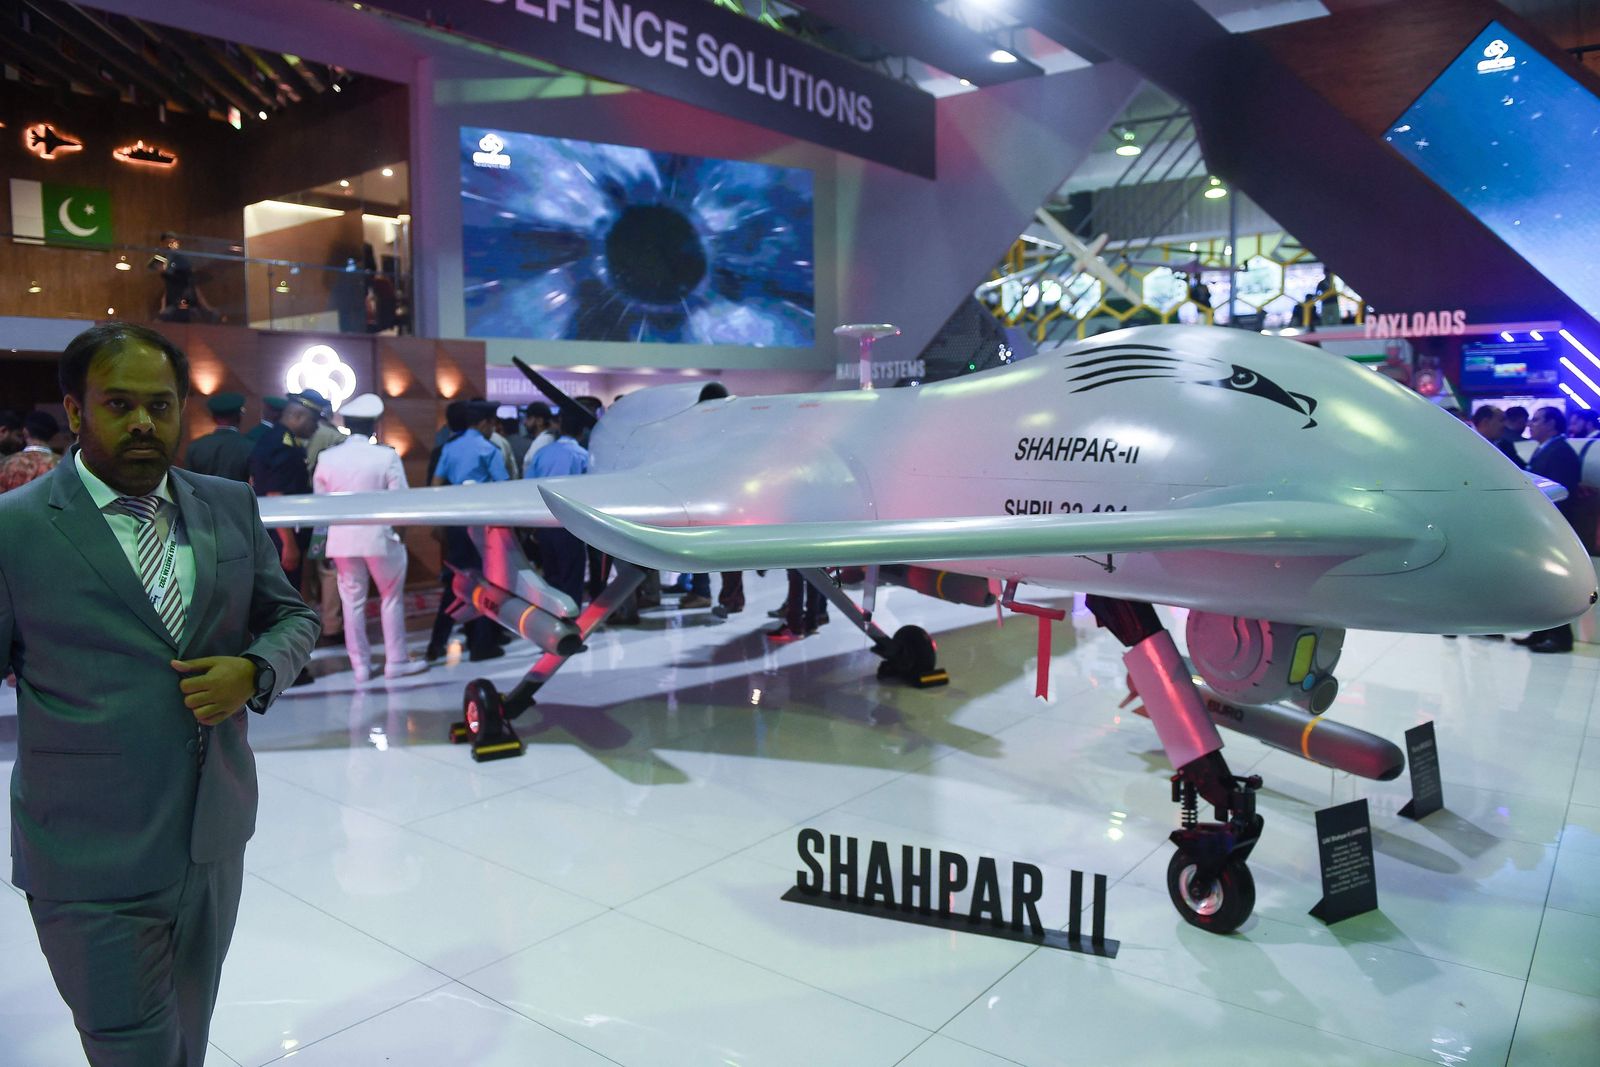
613	896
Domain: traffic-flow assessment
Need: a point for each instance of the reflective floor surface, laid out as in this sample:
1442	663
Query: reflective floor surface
613	895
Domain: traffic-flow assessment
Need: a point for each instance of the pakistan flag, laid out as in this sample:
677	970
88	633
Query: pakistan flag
61	214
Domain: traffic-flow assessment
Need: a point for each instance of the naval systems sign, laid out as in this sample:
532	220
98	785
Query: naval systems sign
701	54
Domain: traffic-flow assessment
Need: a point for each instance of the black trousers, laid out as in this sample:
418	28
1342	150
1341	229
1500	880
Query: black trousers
564	558
804	604
482	634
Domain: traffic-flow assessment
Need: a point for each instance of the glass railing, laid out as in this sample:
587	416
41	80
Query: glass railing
202	282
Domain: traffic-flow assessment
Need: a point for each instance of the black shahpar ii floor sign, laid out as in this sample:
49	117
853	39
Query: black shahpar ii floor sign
1344	842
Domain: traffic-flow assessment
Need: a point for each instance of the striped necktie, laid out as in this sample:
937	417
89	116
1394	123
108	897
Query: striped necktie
149	512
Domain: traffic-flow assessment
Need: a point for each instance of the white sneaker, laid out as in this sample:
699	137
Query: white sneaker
405	669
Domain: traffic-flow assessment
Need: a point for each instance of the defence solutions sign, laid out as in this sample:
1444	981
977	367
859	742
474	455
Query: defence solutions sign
696	52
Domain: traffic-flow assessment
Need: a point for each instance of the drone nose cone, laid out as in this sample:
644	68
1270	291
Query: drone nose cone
1547	577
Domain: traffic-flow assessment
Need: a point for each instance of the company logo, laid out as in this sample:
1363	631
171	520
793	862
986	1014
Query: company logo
320	368
1496	57
489	154
1114	364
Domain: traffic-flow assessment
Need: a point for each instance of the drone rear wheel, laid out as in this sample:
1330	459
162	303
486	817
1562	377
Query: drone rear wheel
479	704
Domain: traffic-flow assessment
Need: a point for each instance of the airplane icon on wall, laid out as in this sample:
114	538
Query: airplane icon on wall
44	141
1280	494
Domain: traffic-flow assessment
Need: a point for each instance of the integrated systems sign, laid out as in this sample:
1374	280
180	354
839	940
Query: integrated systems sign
698	53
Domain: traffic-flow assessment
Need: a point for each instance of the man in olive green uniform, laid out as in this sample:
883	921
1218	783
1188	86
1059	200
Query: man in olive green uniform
224	452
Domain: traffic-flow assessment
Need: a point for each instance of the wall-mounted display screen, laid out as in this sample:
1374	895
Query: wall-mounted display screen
1517	142
1499	367
575	240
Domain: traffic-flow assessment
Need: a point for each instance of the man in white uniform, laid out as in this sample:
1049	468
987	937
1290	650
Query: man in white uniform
361	465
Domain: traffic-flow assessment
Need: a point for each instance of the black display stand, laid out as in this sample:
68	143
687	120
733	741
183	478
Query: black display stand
1349	880
1422	756
1072	939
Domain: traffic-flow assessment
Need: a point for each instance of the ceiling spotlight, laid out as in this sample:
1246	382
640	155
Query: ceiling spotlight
33	287
344	183
262	115
1128	150
1000	55
281	287
966	83
1216	191
111	311
387	172
338	88
123	264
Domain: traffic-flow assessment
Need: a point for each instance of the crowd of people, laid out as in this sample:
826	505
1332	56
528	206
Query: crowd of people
1553	456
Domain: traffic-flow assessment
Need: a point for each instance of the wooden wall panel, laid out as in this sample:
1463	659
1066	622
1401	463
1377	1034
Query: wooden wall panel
219	171
1372	62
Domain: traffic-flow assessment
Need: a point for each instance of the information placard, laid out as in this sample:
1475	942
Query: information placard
1422	756
1349	881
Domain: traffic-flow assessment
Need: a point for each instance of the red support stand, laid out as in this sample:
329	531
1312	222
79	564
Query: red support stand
1045	617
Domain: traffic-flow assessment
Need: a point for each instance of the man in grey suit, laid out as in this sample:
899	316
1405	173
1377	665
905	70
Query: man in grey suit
143	609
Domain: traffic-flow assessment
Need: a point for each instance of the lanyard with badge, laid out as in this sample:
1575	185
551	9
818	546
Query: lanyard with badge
167	573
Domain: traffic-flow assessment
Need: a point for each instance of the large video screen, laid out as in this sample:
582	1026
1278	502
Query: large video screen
575	240
1517	142
1497	367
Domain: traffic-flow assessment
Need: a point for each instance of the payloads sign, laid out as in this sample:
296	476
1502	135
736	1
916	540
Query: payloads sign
696	52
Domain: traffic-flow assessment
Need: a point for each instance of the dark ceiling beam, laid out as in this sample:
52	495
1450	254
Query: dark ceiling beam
306	74
181	74
181	46
45	71
913	28
43	61
131	41
82	31
274	67
234	65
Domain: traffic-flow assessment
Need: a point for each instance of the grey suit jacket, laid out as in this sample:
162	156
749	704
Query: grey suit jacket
108	800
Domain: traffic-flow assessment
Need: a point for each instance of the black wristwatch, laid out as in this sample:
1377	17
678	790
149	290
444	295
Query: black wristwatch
266	681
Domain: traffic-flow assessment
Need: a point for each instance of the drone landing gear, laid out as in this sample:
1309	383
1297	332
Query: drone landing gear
487	715
909	656
484	723
1207	879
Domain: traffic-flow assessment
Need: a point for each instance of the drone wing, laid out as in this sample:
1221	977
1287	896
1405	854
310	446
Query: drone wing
1256	527
513	503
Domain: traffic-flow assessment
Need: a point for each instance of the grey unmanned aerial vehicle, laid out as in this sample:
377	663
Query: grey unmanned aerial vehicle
1279	493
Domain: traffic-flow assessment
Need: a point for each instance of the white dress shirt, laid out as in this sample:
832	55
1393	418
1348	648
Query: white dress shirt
126	527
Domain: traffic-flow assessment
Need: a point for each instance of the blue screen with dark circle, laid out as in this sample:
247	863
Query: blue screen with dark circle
1517	142
575	240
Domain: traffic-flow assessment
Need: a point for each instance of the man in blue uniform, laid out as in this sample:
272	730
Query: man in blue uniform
561	553
467	457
